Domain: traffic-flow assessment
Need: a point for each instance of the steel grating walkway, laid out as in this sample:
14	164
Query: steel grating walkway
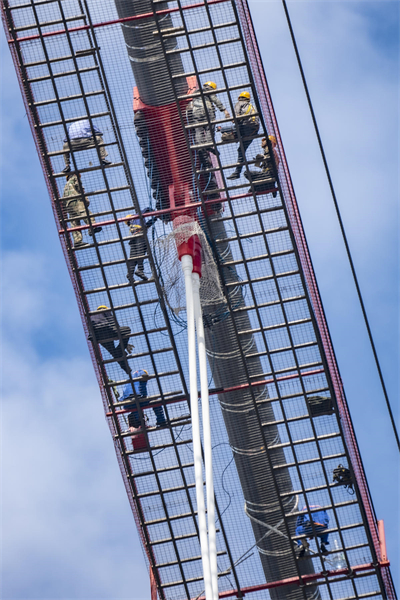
269	349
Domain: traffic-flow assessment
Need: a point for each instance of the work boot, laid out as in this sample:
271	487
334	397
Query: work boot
66	169
141	274
96	230
106	162
214	151
234	175
324	549
79	245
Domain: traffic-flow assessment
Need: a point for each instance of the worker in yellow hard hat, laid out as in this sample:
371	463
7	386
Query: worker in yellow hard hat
137	244
248	125
107	330
266	178
199	109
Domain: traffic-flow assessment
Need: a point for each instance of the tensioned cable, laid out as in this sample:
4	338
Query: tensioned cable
341	224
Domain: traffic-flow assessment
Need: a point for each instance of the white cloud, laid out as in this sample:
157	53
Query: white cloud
68	531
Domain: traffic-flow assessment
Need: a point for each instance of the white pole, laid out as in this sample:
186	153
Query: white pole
201	344
187	267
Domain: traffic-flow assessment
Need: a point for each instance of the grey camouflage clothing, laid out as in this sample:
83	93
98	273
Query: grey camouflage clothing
201	107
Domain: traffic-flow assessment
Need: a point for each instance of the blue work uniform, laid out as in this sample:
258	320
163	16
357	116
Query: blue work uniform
141	391
320	524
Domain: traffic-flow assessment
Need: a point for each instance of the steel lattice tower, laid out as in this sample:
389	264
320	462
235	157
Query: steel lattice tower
132	68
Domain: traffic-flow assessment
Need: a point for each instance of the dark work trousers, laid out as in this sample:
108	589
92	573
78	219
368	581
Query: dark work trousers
83	144
308	531
133	417
115	351
245	131
138	248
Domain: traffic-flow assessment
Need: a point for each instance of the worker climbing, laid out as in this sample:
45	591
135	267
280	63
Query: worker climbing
198	110
138	246
140	385
265	180
311	525
83	135
248	126
76	204
105	329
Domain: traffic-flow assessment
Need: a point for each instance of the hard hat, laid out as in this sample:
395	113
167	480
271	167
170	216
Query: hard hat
272	139
128	216
103	307
210	84
244	95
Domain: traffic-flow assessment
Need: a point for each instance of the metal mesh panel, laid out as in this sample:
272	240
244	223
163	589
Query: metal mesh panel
280	423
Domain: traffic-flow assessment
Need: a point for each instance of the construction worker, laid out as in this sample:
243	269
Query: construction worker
140	386
83	135
266	178
315	523
138	245
199	109
75	204
105	328
248	126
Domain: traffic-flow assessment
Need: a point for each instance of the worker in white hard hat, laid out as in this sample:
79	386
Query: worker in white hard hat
248	126
199	109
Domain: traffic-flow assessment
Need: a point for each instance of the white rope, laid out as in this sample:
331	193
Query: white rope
271	528
248	452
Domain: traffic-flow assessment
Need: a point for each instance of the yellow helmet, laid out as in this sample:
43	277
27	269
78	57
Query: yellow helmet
210	84
103	307
244	95
272	139
130	217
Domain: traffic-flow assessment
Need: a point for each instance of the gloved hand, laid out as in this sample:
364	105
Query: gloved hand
227	115
129	348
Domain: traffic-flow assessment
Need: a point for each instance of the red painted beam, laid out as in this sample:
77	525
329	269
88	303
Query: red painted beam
234	388
161	212
299	580
382	540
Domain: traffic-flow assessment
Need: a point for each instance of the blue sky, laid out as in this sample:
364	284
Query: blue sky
67	530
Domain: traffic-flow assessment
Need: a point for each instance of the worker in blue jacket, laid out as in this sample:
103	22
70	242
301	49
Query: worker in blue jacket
318	526
140	386
83	135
